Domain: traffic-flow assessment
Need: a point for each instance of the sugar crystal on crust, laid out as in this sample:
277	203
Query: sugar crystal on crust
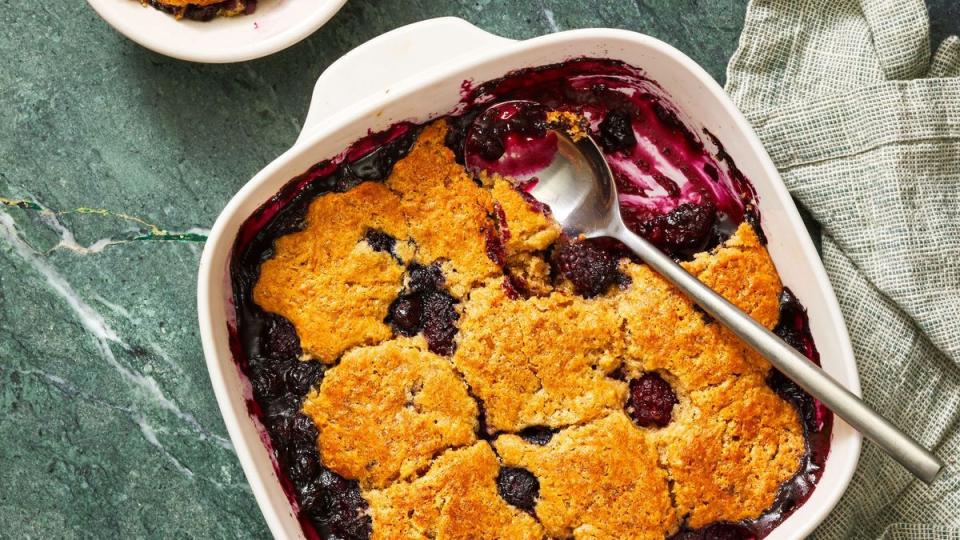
728	459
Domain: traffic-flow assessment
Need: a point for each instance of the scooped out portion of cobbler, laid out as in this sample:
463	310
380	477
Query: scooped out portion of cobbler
203	10
433	357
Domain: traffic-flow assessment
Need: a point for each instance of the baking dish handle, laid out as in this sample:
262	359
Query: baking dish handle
371	68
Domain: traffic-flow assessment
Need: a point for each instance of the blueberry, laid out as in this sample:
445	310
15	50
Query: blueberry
380	241
426	307
651	401
538	435
424	278
378	164
303	430
267	384
304	464
489	147
616	131
300	377
280	339
405	314
280	408
488	134
688	224
518	487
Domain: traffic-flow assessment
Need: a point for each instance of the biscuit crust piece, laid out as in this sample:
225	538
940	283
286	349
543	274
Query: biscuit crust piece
383	412
456	499
540	361
728	458
666	331
525	228
328	281
600	480
448	214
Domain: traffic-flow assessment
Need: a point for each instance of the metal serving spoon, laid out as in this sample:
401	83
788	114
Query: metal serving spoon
578	187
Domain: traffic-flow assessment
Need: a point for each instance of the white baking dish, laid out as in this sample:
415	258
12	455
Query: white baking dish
415	73
276	25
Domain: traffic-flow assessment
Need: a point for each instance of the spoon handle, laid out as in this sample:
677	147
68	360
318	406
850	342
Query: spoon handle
917	459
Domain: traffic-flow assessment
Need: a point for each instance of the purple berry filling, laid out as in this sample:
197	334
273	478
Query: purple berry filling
518	487
658	162
538	435
510	139
426	307
494	128
651	400
716	531
279	381
687	229
267	348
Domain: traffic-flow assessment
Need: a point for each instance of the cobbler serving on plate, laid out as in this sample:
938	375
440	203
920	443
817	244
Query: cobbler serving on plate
432	357
203	10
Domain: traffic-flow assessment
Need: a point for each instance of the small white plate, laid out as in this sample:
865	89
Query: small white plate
274	26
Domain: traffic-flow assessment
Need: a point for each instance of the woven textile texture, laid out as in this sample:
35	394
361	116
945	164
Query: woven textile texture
863	123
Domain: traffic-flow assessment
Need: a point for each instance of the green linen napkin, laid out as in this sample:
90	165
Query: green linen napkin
864	126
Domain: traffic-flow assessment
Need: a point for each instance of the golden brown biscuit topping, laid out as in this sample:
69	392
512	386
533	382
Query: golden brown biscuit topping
327	281
456	499
730	452
384	412
540	360
600	480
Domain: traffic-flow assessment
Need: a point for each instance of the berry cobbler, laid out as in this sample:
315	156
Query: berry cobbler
433	357
203	10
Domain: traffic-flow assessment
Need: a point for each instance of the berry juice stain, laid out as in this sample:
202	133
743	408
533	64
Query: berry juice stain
674	190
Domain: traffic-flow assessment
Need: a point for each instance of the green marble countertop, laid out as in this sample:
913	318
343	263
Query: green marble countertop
114	161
